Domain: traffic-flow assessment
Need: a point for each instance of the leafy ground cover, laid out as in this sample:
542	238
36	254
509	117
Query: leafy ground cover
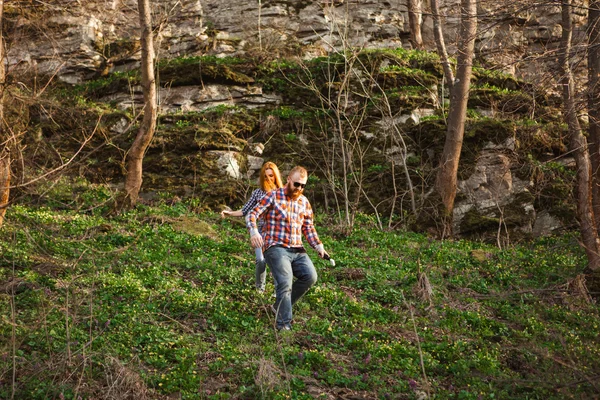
159	302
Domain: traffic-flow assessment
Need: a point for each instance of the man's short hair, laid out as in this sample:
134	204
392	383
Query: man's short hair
300	170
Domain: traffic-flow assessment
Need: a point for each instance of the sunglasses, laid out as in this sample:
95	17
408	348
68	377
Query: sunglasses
298	184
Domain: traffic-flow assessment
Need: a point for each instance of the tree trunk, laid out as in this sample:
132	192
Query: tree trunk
133	181
594	103
4	153
446	176
415	20
578	145
440	44
4	184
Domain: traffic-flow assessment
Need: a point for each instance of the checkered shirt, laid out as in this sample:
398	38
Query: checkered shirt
286	220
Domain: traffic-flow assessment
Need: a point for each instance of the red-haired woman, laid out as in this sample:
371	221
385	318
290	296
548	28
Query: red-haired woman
269	179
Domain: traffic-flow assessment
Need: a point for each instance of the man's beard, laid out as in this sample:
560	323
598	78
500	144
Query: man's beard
292	193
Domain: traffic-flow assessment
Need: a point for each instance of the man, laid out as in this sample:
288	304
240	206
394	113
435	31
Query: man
288	215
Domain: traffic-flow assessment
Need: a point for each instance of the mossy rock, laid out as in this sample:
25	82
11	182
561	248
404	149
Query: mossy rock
556	196
542	141
195	176
485	77
473	222
208	138
194	226
484	130
428	61
173	74
199	73
406	77
408	98
502	101
110	84
516	213
478	134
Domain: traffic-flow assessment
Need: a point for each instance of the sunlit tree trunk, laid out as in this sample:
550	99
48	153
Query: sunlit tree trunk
135	157
578	144
4	150
440	44
594	103
415	20
459	96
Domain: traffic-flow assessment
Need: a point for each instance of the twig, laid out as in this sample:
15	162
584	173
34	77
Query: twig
64	165
13	335
186	328
412	318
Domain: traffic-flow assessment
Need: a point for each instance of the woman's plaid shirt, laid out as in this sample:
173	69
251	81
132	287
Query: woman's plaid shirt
255	197
286	220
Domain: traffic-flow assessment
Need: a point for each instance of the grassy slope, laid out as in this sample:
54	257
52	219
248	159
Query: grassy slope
159	302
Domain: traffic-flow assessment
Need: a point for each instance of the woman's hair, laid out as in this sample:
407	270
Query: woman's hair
264	184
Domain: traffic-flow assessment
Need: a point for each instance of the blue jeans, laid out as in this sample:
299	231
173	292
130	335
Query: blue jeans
286	265
260	269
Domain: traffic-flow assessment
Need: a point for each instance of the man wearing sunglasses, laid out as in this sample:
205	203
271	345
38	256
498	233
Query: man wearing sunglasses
288	217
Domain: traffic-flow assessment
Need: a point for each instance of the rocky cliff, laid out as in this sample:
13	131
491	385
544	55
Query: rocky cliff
79	39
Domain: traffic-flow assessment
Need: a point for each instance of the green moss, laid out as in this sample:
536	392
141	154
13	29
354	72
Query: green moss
395	76
502	100
499	79
207	138
473	222
428	61
479	133
197	74
176	72
515	213
194	226
554	184
407	98
541	141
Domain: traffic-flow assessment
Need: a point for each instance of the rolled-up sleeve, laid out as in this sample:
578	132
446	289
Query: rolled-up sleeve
308	227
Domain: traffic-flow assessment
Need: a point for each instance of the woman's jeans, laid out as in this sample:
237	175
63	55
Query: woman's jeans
260	270
287	264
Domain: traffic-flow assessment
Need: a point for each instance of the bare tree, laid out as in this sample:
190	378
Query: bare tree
578	143
4	152
135	157
415	21
447	174
440	44
594	102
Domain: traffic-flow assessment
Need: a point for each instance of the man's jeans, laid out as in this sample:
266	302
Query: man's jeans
286	265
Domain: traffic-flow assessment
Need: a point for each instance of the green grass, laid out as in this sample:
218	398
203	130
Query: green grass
159	301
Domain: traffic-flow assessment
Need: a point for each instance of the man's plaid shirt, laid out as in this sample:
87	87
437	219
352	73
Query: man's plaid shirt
286	220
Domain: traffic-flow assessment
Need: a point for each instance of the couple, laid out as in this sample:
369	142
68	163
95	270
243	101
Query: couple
287	216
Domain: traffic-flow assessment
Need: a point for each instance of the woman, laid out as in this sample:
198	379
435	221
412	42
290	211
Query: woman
269	179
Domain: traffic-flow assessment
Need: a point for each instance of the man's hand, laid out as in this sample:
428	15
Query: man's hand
325	256
256	241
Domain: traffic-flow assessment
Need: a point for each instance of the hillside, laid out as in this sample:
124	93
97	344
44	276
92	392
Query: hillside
159	303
